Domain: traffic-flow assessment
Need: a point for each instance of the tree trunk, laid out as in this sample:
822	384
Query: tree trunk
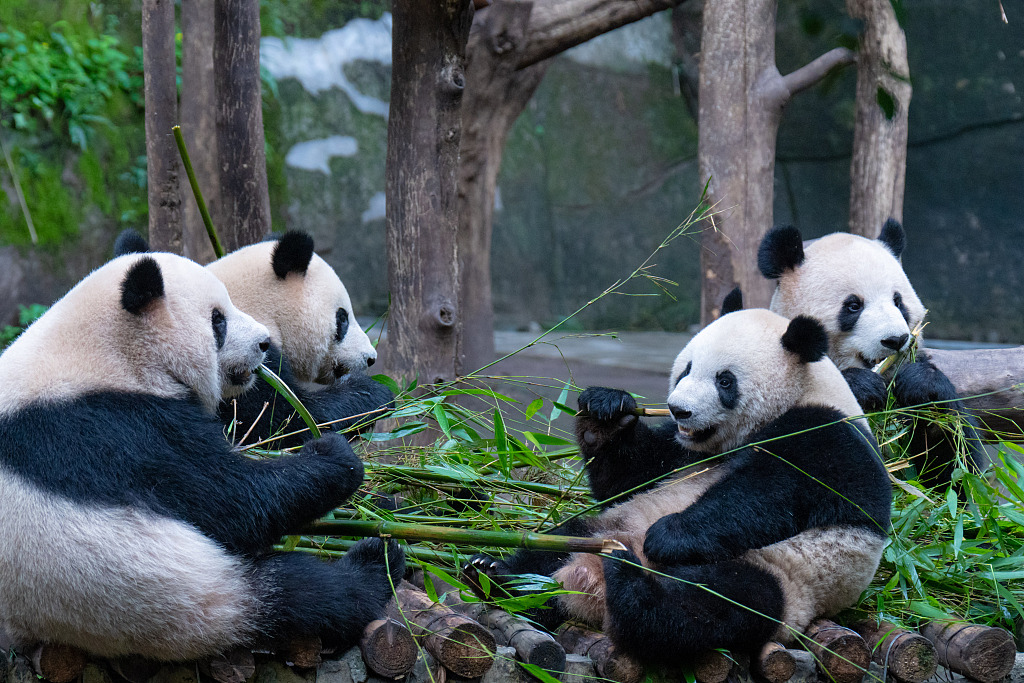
879	164
198	121
496	94
424	128
161	93
244	215
742	95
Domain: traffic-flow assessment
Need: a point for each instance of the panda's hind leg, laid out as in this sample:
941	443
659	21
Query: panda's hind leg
304	597
683	611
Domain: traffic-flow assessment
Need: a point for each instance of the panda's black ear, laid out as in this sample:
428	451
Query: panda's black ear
733	301
806	337
292	254
130	242
781	249
142	285
893	237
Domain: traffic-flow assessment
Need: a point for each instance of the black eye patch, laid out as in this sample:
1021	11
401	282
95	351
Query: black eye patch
897	300
342	324
728	389
220	327
683	374
852	307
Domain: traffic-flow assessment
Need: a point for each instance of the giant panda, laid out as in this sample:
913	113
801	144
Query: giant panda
317	347
857	287
774	510
130	525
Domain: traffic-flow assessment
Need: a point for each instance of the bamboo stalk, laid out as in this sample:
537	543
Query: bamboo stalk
440	534
397	471
653	412
915	338
186	161
336	547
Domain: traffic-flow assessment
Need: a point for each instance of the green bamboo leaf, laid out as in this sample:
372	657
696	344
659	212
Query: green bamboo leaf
442	419
538	672
542	439
559	404
271	378
535	405
951	502
958	537
501	441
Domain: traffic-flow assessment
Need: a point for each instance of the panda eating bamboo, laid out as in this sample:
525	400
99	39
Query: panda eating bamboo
772	510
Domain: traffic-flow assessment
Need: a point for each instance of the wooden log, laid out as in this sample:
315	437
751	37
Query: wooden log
775	663
713	667
303	653
609	663
840	652
234	666
531	645
993	377
57	662
388	648
908	656
459	643
983	653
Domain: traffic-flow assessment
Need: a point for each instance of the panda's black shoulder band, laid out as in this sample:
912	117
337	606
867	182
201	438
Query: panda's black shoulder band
893	237
806	337
781	249
143	284
292	254
130	242
733	301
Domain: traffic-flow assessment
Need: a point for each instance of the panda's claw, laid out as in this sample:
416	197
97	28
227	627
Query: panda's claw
490	567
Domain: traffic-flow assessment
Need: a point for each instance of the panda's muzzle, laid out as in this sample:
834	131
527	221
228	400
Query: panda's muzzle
686	433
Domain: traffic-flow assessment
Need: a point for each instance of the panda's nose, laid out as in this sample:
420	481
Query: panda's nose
679	413
370	360
895	343
265	345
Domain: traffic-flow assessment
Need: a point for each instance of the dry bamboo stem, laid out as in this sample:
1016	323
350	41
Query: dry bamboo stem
983	653
775	663
609	663
713	667
908	656
388	648
531	645
840	652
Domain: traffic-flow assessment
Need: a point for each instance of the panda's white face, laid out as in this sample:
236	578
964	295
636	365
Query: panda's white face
858	289
308	311
156	324
735	376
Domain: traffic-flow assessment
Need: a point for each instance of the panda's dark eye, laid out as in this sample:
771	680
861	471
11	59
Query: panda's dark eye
684	373
850	312
853	304
220	327
342	324
728	392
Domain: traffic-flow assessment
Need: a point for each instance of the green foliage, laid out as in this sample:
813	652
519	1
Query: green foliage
61	80
26	316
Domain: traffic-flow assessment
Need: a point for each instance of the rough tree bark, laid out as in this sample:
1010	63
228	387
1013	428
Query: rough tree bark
505	67
879	164
198	121
742	95
244	215
496	93
161	94
424	127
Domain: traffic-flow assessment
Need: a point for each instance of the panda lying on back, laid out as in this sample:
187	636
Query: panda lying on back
858	288
129	524
316	345
776	500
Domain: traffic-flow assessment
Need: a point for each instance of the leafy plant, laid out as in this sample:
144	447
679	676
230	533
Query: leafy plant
26	316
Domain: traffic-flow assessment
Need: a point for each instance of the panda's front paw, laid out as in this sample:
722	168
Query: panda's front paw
667	543
371	399
603	414
869	388
335	449
921	383
493	569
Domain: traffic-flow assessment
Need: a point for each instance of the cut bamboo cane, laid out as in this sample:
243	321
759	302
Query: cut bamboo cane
415	474
462	645
531	645
58	663
303	653
713	667
500	539
983	653
653	412
610	663
388	648
775	663
908	656
840	652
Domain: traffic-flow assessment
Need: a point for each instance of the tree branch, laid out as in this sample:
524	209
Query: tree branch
811	73
557	25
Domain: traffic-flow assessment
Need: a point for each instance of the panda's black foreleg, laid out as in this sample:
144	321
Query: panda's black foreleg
622	455
933	447
303	597
357	398
686	610
869	388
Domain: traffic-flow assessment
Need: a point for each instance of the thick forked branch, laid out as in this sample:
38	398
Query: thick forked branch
557	25
814	71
